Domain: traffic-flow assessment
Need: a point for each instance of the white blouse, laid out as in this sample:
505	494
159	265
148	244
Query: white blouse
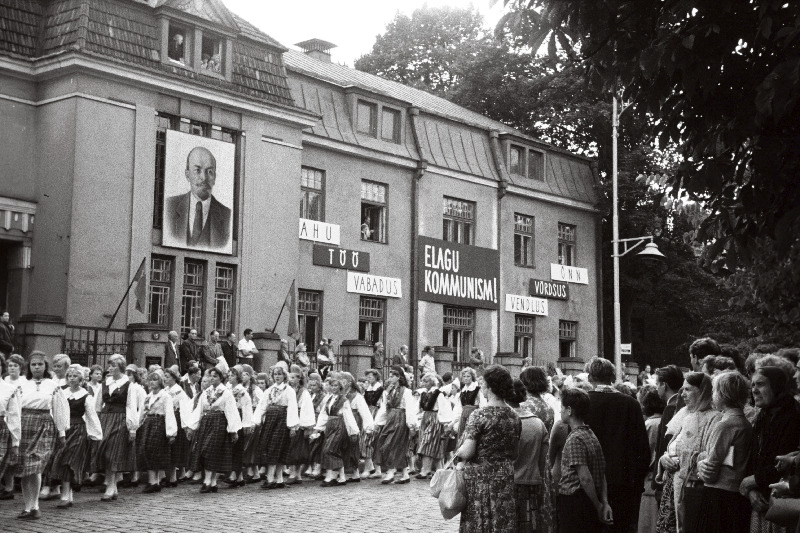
97	389
90	418
10	409
244	404
345	412
47	395
281	394
160	403
224	401
306	409
17	383
257	395
181	403
359	405
133	402
458	408
407	402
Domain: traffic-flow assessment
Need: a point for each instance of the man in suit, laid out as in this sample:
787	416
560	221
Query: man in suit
230	349
188	351
197	218
171	349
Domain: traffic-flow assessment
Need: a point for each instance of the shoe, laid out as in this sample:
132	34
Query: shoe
298	482
326	483
163	482
375	476
236	485
213	489
30	515
280	485
51	496
171	484
353	480
386	481
251	480
149	489
109	498
196	482
6	495
319	477
77	488
205	489
338	483
402	481
64	505
228	481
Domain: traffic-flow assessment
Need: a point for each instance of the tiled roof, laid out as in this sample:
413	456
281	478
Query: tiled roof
19	24
210	10
251	32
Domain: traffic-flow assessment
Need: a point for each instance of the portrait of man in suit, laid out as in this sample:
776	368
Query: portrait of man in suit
199	217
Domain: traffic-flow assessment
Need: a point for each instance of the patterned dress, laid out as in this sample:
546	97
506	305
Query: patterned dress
489	476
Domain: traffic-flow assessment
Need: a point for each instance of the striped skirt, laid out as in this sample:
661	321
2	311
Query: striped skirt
212	445
152	444
72	460
337	444
315	449
250	448
430	437
179	452
298	449
273	442
37	442
367	440
6	461
393	441
116	452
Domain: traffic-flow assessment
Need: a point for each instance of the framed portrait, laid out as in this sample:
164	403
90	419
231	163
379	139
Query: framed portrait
198	193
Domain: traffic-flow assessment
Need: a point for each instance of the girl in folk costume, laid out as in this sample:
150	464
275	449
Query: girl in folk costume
182	410
337	421
15	378
157	431
195	478
45	418
436	413
10	429
73	459
119	420
278	417
215	427
138	378
364	420
315	389
298	447
397	417
467	400
250	444
245	408
372	395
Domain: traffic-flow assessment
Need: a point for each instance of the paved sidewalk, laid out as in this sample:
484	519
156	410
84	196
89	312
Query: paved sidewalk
359	507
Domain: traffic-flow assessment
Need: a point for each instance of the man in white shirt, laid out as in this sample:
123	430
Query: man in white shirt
427	365
247	348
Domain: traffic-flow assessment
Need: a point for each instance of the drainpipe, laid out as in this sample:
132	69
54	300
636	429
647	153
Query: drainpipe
502	189
419	172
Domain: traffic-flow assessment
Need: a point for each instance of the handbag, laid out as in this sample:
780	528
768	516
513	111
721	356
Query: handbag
784	512
448	486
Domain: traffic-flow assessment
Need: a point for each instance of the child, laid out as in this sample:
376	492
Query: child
582	499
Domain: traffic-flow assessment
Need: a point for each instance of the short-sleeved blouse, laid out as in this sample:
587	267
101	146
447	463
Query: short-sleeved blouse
496	431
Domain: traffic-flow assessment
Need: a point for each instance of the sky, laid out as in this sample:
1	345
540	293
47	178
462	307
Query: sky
350	24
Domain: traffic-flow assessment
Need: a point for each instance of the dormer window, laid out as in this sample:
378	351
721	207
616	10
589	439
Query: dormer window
390	125
367	118
211	55
179	47
526	162
516	161
195	48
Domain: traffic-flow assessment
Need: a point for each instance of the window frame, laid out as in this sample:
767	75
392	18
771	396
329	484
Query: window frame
366	319
521	161
373	117
303	312
383	225
565	337
454	232
188	44
229	292
568	244
222	43
305	190
200	297
157	283
540	165
530	259
395	134
526	337
449	331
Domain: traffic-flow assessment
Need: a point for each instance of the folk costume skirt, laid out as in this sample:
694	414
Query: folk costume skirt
466	410
431	435
7	462
394	439
352	456
72	459
491	506
179	451
116	452
367	441
315	449
298	449
273	443
250	448
37	442
212	447
152	445
337	444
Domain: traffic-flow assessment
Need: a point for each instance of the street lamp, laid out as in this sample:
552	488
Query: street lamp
650	252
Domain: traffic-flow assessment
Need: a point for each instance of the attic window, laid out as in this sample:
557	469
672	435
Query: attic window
516	160
211	54
367	118
178	47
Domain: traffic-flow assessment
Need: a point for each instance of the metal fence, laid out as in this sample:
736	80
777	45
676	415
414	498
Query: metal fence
93	346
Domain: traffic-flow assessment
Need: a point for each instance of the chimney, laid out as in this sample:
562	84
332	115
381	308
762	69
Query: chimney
317	48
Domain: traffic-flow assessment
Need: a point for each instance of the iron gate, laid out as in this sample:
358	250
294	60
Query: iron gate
93	346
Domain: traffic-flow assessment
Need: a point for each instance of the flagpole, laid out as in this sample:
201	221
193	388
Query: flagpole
291	288
126	293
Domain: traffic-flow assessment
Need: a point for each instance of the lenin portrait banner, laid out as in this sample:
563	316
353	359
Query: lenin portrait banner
198	193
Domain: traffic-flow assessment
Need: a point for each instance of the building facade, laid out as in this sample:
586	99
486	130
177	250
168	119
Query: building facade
180	136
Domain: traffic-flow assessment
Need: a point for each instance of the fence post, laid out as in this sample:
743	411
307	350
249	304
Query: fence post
358	355
44	333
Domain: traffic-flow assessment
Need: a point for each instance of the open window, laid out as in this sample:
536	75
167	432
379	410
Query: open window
373	211
179	44
211	54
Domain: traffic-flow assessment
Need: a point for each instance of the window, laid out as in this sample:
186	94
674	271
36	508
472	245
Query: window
390	125
566	244
523	240
458	220
179	45
371	319
523	335
516	161
192	298
160	290
367	122
211	55
309	311
373	211
458	331
224	283
535	165
311	194
567	334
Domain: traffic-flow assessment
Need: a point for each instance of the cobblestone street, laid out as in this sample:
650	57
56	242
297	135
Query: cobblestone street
366	506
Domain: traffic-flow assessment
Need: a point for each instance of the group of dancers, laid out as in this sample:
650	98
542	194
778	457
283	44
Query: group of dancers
63	428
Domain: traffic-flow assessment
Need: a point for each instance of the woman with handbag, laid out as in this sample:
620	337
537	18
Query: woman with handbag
691	429
489	449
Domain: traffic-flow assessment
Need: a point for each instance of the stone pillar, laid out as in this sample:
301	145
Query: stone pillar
356	356
44	333
631	371
268	344
146	344
443	358
511	360
570	365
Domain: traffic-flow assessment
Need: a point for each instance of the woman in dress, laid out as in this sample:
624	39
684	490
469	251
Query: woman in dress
337	421
691	429
45	418
157	431
489	449
215	428
250	444
776	431
73	459
372	395
318	395
364	421
298	445
181	407
467	400
10	430
397	417
278	419
245	409
15	378
436	413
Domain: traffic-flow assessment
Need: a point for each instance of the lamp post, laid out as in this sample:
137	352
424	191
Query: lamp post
650	251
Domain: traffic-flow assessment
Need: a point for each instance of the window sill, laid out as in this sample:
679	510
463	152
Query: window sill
210	74
530	267
374	241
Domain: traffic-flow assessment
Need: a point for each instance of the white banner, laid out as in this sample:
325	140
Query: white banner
569	274
312	230
527	305
374	285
